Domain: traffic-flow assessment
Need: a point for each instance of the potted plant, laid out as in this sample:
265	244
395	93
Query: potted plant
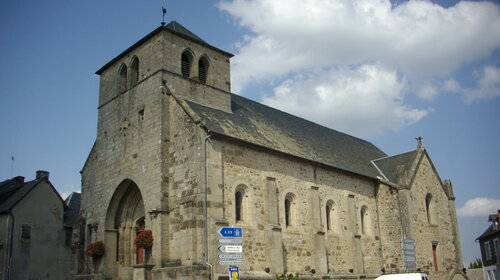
144	239
95	251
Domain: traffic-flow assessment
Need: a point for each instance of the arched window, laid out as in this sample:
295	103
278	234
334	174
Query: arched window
238	201
242	204
186	60
289	210
364	219
134	71
330	215
122	79
428	200
203	70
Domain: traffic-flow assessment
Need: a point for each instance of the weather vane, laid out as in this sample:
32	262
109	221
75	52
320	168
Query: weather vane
164	11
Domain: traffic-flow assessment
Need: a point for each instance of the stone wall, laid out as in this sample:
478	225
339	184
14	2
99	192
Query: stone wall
306	244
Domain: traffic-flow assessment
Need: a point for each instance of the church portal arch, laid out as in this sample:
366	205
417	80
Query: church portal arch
124	219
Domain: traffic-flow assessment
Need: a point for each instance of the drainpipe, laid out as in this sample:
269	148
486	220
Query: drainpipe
205	176
377	185
11	241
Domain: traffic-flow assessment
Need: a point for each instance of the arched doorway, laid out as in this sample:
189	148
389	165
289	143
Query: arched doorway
124	220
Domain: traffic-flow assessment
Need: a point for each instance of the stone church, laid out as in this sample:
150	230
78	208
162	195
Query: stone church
178	154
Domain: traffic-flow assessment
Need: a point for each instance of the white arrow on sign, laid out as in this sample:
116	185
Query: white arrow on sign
231	248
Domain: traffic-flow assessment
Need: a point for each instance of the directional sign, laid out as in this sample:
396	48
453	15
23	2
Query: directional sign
234	273
231	232
230	256
409	259
230	241
409	253
231	248
410	264
408	247
230	262
405	240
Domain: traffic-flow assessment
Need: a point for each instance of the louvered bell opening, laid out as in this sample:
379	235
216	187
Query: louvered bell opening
202	67
185	65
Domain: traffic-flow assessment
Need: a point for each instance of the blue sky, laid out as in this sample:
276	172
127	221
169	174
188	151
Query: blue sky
385	72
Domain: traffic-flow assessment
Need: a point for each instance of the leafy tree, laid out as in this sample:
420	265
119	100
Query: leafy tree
478	263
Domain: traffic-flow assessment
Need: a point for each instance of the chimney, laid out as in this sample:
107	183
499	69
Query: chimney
20	179
41	174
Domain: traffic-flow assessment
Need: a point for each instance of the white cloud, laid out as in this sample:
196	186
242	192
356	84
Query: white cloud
416	42
330	97
419	38
68	189
427	93
451	85
479	207
487	85
65	195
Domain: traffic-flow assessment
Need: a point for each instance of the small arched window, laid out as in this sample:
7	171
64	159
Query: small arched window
238	201
122	79
242	204
186	60
134	71
428	200
203	70
364	219
329	215
289	210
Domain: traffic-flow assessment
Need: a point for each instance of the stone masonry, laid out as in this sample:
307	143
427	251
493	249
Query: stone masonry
161	161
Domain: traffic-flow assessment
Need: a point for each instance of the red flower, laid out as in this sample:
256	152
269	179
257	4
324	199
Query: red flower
144	239
95	249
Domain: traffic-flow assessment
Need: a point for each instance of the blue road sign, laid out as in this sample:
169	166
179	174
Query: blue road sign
234	273
231	232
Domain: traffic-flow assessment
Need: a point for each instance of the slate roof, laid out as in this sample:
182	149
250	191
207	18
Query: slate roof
264	126
70	215
489	232
178	28
12	191
389	166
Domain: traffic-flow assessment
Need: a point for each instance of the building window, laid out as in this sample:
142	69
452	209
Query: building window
434	256
186	60
496	245
364	219
141	115
134	71
25	232
288	205
328	218
487	250
238	200
289	210
122	79
428	200
330	215
203	70
242	204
